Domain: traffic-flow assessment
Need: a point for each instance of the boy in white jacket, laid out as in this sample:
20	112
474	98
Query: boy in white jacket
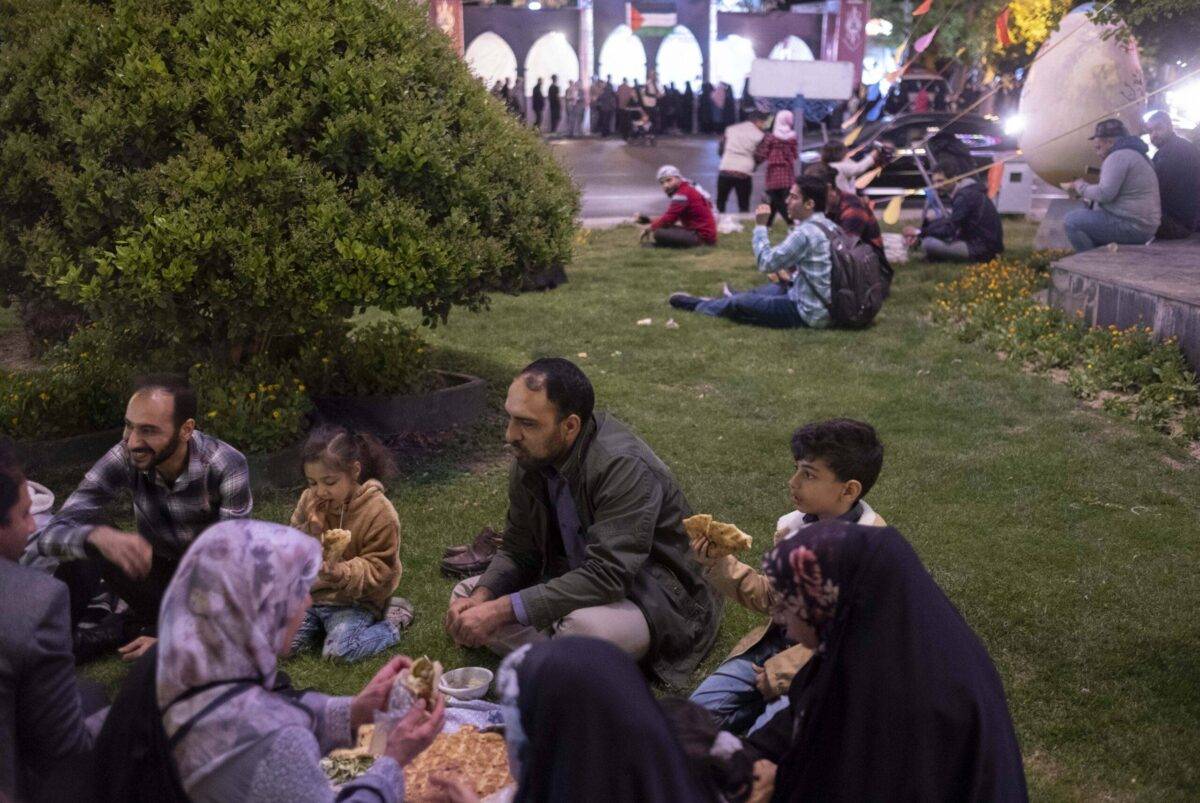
837	462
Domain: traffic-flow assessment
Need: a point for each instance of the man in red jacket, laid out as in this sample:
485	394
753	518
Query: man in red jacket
688	221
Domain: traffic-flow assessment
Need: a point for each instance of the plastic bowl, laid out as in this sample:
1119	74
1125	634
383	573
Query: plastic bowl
467	683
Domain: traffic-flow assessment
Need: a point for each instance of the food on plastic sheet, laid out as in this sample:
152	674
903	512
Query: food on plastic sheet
478	758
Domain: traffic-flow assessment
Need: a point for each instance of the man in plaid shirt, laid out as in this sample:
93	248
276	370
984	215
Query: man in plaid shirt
801	268
180	480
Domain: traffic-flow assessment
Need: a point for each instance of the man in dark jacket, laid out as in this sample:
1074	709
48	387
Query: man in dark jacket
594	543
539	104
1177	165
971	231
554	97
44	745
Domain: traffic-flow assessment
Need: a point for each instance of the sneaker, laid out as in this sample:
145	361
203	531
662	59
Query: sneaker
399	613
685	301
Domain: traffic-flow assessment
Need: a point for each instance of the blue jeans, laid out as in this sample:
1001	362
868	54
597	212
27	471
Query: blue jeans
768	305
730	693
1092	228
351	633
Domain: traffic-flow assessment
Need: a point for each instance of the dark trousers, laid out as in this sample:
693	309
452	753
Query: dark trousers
537	118
778	200
676	237
739	184
555	116
82	578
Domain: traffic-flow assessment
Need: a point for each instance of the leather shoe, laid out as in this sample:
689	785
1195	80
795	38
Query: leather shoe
473	559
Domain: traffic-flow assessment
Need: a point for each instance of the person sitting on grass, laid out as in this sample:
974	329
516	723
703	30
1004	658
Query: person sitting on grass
837	463
594	542
353	607
799	266
688	221
45	745
851	212
972	230
180	480
1126	205
901	700
235	604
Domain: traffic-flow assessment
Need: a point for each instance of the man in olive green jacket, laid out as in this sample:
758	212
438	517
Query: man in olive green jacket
594	543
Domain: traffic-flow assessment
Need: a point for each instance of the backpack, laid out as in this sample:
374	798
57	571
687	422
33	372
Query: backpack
859	279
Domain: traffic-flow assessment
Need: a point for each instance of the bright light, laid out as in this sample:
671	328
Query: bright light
1184	104
534	5
879	27
1014	125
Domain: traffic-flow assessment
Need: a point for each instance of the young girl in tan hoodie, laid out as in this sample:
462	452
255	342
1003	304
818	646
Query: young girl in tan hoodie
345	507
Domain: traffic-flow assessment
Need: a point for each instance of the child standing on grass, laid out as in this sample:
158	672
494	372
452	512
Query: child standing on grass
837	462
353	605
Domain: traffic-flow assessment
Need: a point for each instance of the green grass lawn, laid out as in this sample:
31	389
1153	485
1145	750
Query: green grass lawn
1069	539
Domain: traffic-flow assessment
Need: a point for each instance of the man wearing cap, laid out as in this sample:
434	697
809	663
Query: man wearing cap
1125	205
688	221
1177	165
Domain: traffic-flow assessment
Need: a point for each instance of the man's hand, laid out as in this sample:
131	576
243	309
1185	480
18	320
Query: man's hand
780	276
911	235
479	596
136	648
128	552
647	233
474	626
1079	186
416	731
374	695
762	683
762	213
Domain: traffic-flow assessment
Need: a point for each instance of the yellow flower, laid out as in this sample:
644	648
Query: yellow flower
44	396
212	413
276	414
300	388
253	395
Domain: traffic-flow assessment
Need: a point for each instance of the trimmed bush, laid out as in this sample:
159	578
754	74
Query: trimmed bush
221	178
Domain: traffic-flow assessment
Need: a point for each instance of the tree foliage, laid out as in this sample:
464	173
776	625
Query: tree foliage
221	177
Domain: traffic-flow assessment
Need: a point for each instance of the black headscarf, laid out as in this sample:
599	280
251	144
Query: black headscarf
595	733
902	701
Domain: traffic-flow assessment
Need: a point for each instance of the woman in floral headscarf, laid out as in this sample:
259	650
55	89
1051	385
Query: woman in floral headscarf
233	606
901	701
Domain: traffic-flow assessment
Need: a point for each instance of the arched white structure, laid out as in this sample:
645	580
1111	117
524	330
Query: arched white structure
792	49
551	55
732	58
623	56
491	59
679	59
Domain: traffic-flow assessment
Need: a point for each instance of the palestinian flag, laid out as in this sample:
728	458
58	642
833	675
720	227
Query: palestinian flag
650	23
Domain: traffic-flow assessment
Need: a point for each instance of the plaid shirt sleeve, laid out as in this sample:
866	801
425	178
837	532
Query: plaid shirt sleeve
236	500
785	256
67	533
854	219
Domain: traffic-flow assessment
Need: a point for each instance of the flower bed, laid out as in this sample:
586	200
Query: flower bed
1126	371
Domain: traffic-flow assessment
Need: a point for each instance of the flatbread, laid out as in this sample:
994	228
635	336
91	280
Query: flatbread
723	539
333	545
361	747
477	758
422	679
